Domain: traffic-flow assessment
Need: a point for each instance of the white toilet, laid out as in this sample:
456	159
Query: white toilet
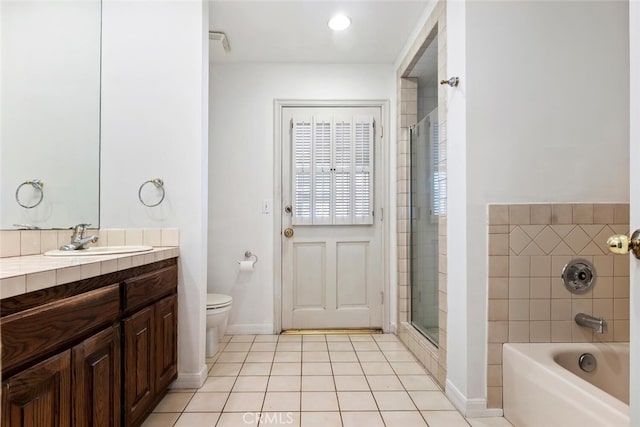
218	309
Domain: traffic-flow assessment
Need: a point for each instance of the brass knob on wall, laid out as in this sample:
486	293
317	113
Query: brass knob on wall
621	244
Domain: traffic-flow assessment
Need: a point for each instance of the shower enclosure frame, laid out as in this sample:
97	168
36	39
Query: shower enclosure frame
424	210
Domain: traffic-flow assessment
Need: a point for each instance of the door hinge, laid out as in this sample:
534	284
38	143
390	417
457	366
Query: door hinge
374	124
291	124
381	214
382	297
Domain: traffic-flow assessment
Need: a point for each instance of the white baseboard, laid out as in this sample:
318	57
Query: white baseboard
393	328
477	408
250	329
472	408
190	380
456	397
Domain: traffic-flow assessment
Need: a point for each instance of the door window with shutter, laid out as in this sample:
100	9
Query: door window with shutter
332	170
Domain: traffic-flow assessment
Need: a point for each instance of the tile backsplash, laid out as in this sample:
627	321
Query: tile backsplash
34	242
528	248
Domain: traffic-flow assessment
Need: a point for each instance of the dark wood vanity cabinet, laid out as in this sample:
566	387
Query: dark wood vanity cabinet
166	318
79	387
96	380
98	352
150	341
150	356
139	379
39	395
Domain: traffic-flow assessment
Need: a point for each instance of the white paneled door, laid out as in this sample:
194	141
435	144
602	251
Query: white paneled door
332	265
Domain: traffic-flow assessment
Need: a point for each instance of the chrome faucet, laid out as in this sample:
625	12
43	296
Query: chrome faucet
78	239
598	324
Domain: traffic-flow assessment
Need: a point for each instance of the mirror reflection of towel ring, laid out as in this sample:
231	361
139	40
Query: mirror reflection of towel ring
37	185
159	184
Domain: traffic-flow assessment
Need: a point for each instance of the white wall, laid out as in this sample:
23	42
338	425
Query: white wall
545	120
634	73
457	300
154	124
241	168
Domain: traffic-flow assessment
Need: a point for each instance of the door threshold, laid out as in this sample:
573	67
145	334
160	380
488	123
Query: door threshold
331	331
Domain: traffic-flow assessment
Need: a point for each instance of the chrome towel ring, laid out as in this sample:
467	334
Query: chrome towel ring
159	184
37	185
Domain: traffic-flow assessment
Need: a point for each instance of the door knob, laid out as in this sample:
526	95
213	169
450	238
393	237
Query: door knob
621	244
288	232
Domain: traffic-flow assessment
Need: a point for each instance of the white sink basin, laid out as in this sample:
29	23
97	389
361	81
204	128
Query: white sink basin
100	250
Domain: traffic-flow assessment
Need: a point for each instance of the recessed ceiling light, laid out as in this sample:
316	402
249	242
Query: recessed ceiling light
339	22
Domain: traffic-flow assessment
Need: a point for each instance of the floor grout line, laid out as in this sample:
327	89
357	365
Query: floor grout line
332	364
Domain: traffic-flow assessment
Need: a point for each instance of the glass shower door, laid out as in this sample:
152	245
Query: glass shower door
425	209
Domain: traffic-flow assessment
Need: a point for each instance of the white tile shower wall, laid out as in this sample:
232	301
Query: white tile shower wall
33	242
528	247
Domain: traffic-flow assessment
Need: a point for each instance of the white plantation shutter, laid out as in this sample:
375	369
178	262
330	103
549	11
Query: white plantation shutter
333	167
302	159
343	172
437	201
363	168
322	171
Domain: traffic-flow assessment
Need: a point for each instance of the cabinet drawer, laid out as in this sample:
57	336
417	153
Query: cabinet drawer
145	289
29	334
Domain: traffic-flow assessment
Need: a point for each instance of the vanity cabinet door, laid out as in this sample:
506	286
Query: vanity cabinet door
166	341
96	380
40	395
139	362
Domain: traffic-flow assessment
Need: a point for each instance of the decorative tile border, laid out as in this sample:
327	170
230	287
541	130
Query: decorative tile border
528	247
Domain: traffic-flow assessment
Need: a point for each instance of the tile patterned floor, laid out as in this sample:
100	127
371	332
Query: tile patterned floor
313	380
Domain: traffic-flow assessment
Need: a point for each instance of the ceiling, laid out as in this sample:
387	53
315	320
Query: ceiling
296	30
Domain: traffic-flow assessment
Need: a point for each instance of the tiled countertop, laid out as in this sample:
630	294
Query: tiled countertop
22	274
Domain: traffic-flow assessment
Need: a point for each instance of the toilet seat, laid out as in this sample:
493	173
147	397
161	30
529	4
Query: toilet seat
218	301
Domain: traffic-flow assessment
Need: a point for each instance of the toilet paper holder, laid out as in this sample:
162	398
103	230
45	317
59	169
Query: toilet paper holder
248	255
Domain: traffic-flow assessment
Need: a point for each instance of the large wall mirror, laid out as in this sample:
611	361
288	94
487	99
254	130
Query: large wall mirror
50	113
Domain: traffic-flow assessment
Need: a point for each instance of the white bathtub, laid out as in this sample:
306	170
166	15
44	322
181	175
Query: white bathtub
545	387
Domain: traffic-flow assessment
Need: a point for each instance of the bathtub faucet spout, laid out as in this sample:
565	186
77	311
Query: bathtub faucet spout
598	324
